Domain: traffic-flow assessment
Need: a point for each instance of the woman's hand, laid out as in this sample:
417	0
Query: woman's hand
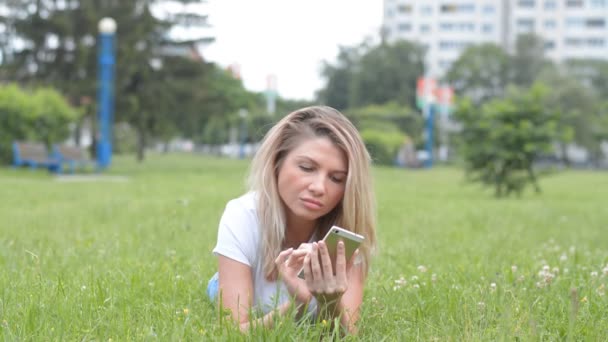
326	286
289	263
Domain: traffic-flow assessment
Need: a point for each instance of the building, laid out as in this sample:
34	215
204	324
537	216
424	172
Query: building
570	28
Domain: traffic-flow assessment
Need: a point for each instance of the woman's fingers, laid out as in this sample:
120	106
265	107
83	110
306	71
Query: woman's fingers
341	265
314	263
280	260
325	261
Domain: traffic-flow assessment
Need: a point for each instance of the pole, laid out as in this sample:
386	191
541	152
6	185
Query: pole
105	98
430	118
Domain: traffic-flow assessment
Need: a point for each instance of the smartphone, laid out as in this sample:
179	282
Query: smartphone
335	234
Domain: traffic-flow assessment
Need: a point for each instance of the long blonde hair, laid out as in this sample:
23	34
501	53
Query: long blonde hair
356	212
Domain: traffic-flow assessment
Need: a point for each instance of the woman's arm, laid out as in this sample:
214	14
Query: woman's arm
236	291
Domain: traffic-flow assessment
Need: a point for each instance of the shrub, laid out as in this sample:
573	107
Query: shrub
383	145
42	115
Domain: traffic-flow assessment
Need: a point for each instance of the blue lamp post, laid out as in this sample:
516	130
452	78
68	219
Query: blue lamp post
105	98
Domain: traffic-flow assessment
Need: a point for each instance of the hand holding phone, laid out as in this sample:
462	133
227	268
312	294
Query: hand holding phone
351	241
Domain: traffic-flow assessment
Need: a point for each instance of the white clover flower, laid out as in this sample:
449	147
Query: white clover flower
555	270
481	305
601	290
83	287
416	286
401	281
563	258
594	274
434	277
396	287
422	268
572	249
493	287
521	278
414	278
514	268
546	268
605	271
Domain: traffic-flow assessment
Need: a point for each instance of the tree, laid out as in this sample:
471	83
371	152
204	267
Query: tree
388	72
157	92
373	75
480	73
502	139
528	61
336	92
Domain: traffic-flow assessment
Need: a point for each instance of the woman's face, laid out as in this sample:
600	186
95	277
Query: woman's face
311	179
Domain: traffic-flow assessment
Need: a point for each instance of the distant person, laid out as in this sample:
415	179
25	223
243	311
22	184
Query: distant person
311	171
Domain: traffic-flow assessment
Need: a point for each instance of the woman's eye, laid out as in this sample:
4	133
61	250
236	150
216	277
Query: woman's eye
337	179
305	168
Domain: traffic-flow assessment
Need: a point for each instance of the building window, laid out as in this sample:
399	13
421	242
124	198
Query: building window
404	9
549	45
390	13
574	3
526	3
457	27
404	27
424	28
488	9
599	3
550	24
596	42
426	10
596	23
573	42
525	25
452	45
458	8
550	5
573	23
487	28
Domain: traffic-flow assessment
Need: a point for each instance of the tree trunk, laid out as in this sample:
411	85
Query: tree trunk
141	138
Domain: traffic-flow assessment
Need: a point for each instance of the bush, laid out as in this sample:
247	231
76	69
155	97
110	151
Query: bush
42	116
382	145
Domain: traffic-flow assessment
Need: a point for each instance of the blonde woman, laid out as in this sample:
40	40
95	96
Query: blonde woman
311	171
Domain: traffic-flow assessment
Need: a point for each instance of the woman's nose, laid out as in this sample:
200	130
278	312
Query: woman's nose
317	185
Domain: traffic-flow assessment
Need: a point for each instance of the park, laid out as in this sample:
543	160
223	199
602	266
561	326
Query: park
121	144
128	258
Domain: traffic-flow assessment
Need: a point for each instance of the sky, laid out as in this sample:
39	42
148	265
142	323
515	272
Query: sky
287	38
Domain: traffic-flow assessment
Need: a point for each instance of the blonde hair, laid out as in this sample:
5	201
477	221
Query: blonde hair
356	211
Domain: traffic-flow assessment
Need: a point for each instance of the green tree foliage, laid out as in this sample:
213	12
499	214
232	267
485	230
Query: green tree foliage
42	115
158	94
502	139
529	60
367	74
480	73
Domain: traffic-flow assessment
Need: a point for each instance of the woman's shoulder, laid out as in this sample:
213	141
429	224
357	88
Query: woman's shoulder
246	202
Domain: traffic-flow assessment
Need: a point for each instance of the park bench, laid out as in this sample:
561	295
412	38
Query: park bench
73	156
34	155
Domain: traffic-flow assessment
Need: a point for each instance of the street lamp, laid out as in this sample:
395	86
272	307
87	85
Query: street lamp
105	96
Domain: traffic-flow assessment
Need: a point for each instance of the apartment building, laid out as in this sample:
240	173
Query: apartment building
570	28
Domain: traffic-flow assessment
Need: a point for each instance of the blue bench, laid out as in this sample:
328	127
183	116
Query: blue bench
34	155
73	156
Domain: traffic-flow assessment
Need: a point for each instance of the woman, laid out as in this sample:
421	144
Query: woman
311	171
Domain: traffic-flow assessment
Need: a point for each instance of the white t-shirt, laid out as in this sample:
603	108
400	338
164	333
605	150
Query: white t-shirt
239	238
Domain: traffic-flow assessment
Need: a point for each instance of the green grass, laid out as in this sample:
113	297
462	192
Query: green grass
130	260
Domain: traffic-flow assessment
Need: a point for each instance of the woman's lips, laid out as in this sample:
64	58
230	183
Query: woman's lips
312	204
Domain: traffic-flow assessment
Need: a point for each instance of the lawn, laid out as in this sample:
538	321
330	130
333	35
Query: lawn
128	256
